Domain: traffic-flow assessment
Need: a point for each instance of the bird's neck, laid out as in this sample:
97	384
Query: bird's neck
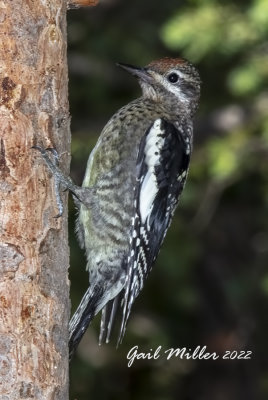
169	101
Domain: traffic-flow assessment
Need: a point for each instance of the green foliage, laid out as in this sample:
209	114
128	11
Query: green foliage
205	29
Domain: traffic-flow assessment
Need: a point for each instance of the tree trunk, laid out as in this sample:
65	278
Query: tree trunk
34	255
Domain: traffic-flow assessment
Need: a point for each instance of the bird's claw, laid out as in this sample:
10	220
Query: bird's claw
44	151
55	154
62	182
53	165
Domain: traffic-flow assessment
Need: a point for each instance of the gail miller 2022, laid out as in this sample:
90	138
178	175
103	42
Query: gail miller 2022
199	353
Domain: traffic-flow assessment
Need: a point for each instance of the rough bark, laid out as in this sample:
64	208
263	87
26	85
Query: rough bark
34	255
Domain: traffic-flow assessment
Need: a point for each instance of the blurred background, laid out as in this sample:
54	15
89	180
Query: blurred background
210	283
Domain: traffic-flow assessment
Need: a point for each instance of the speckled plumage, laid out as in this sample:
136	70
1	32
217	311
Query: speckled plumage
109	226
113	177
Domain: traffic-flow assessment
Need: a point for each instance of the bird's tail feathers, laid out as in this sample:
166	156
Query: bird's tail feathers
82	317
108	317
132	289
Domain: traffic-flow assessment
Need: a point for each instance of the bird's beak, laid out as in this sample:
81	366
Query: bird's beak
139	72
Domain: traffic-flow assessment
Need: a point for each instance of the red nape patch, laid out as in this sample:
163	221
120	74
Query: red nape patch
166	63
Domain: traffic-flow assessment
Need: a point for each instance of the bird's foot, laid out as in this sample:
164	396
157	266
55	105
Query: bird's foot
51	158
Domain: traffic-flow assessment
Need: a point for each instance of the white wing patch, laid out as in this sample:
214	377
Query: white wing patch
162	165
154	143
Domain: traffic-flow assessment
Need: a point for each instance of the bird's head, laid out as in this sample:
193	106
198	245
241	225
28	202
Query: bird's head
173	82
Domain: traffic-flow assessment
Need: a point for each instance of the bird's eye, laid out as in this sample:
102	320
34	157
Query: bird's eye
173	78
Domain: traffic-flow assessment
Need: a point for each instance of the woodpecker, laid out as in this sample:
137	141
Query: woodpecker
133	181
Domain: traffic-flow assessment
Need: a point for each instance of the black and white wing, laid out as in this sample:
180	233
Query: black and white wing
162	167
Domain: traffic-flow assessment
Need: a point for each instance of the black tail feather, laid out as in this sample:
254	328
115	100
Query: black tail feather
108	317
82	317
